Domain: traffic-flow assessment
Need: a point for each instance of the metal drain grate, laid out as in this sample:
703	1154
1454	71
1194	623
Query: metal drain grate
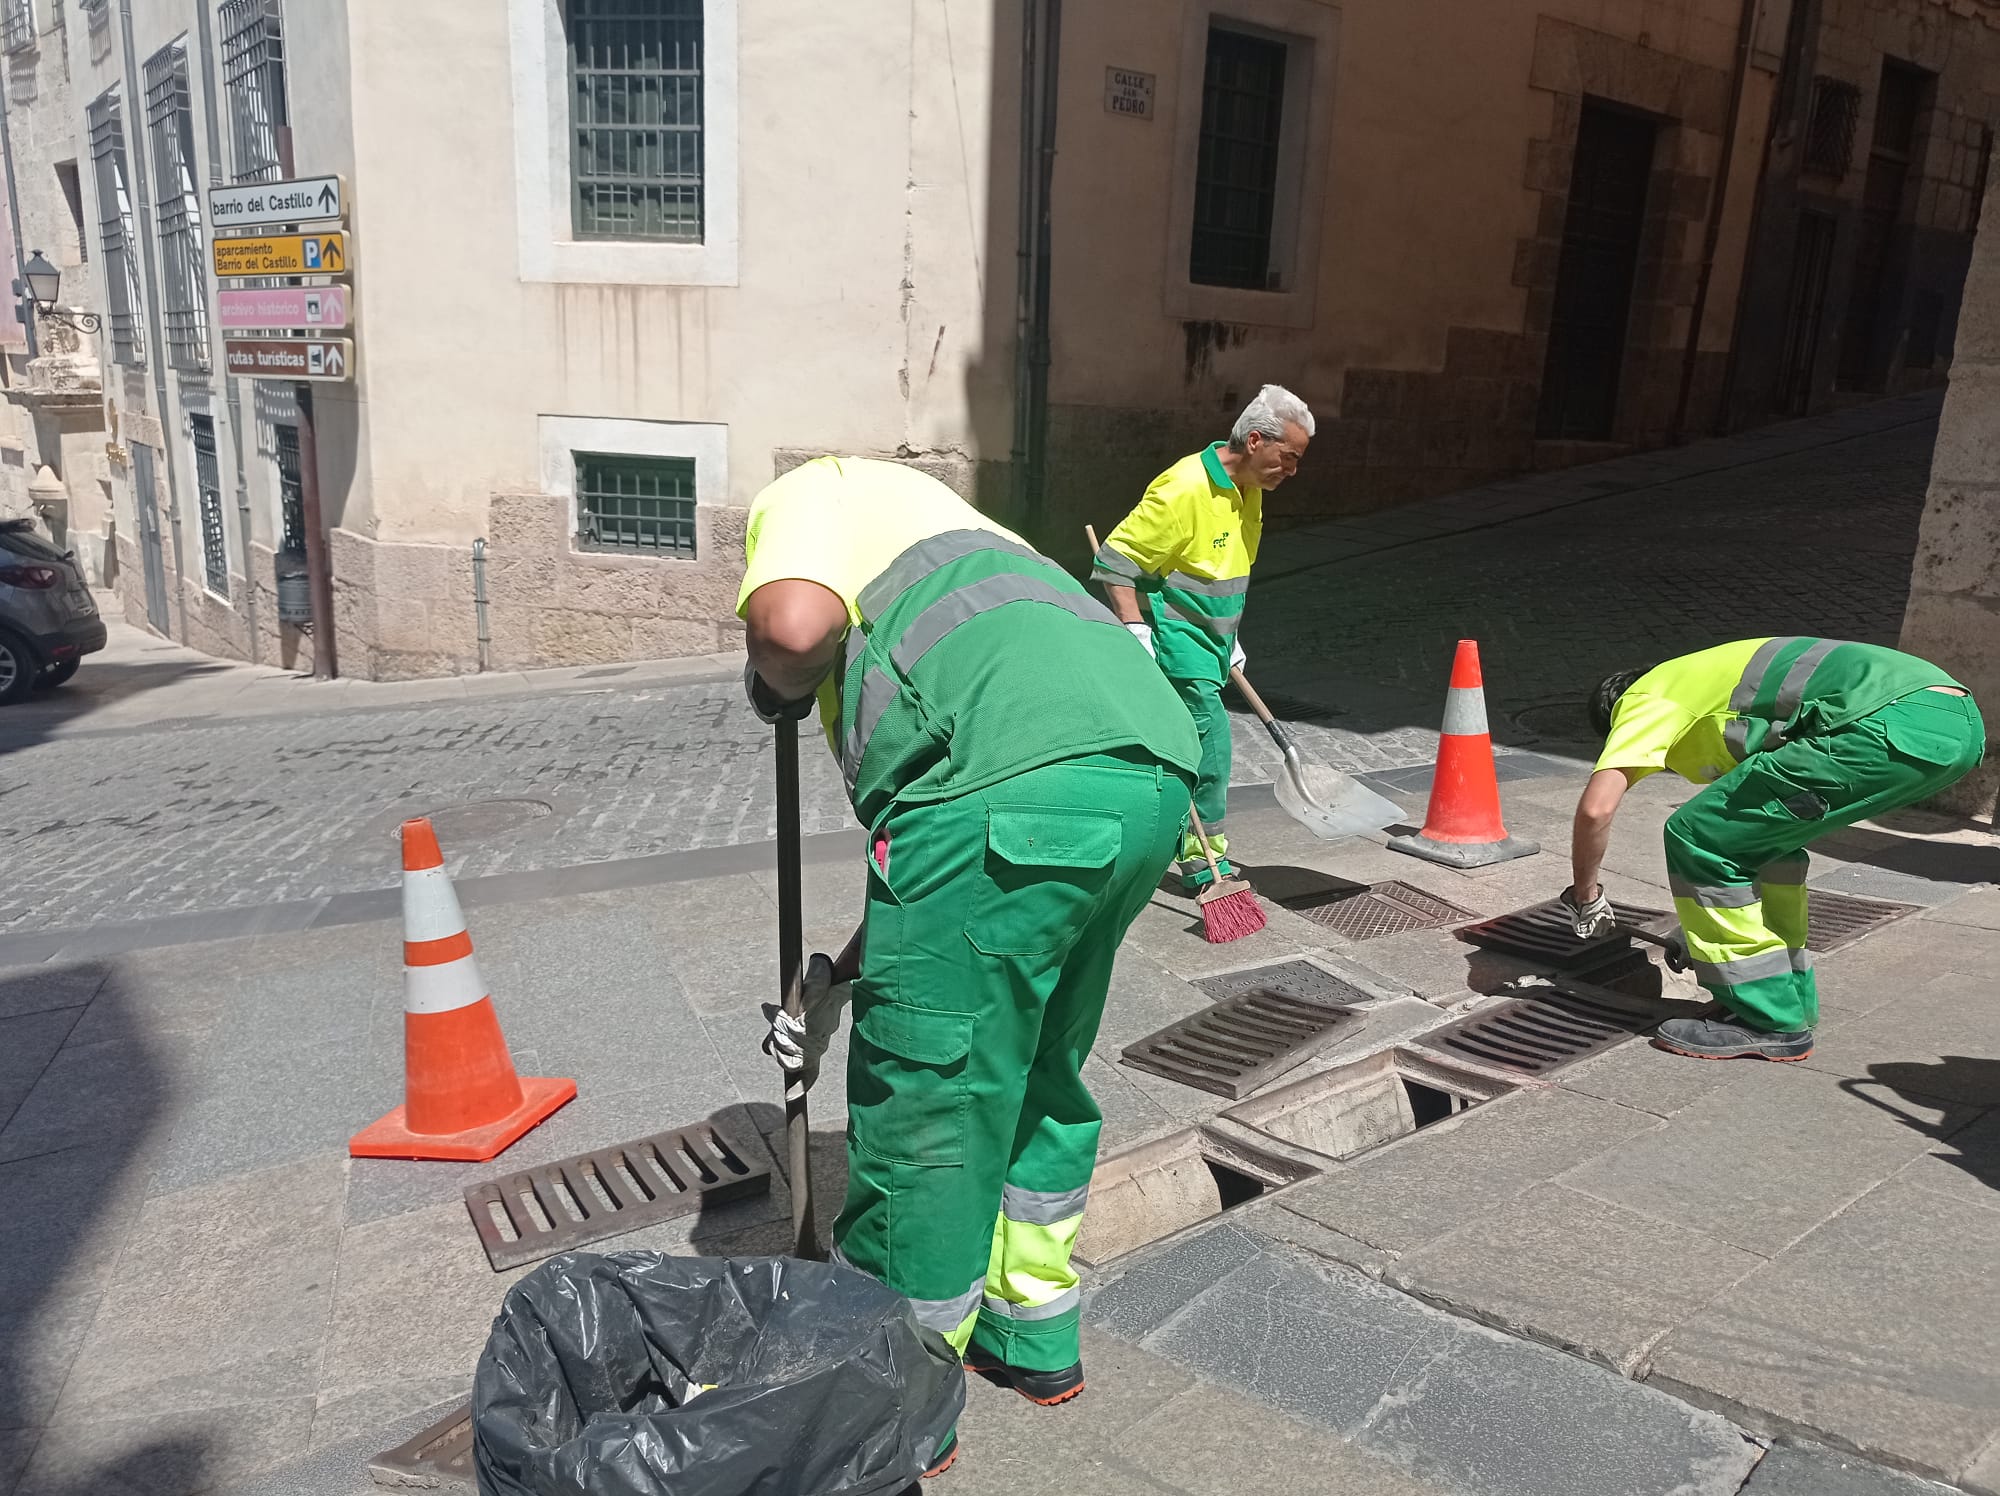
1380	909
439	1458
541	1211
1541	932
1234	1046
1290	708
1837	919
1534	1035
1300	979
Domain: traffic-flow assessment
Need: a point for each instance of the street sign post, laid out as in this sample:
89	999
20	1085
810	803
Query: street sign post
325	360
267	204
307	309
280	254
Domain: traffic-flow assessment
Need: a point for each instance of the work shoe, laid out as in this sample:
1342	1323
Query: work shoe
945	1456
1714	1039
1046	1388
1195	874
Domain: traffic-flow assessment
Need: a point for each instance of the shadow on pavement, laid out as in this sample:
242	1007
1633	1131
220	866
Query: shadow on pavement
95	687
1920	857
1965	1078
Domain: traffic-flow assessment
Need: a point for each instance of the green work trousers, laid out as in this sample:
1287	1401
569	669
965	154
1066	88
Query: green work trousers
991	924
1736	852
1192	661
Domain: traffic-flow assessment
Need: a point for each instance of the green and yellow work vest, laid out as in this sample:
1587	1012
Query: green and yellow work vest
1702	714
976	659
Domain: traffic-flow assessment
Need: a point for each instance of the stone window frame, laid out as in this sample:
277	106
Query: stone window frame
1311	29
560	438
548	249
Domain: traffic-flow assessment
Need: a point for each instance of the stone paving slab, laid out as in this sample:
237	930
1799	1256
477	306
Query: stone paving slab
1877	1331
1795	1469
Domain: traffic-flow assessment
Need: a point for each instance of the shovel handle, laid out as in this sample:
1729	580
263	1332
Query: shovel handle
791	944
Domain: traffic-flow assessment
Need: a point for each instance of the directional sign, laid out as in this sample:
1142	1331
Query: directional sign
290	358
284	254
261	204
312	309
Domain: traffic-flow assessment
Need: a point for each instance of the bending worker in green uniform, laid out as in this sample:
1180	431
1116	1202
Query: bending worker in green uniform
1023	773
1177	572
1793	737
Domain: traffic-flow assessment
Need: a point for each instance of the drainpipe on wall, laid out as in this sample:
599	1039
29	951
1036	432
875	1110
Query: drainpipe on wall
1746	36
1041	51
21	300
146	225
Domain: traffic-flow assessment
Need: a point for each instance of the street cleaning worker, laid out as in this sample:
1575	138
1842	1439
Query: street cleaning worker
1176	571
1793	737
1023	772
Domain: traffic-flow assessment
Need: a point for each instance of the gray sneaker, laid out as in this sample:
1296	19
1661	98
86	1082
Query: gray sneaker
1714	1039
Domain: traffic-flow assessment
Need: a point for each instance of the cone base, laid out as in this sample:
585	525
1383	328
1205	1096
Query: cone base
390	1138
1464	854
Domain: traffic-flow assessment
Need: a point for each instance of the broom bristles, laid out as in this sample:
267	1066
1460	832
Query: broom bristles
1231	916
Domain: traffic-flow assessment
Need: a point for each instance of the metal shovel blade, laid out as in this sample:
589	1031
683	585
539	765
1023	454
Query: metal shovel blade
1331	804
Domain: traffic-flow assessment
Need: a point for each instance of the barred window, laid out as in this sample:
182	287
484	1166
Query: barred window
177	206
291	491
253	77
1236	171
114	229
1836	107
635	504
208	480
636	118
17	25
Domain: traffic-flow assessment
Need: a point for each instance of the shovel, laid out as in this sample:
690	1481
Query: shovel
1325	801
791	974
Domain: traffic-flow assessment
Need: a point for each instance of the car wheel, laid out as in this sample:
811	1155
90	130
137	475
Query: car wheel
18	670
56	674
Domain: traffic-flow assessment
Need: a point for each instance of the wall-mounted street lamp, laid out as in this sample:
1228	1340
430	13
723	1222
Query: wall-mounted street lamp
44	283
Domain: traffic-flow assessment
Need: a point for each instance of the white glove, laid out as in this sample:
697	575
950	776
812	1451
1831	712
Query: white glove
798	1044
1143	632
1237	658
1588	919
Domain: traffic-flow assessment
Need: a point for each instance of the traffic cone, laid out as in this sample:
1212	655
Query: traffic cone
1462	828
461	1097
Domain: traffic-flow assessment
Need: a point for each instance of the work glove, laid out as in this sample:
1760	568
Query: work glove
799	1044
1237	658
764	701
1590	919
1143	632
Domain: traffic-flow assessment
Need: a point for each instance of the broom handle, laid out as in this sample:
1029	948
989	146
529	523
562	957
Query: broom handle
791	947
1201	833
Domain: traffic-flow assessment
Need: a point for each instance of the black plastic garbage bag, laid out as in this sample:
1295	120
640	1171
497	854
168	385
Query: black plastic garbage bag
634	1374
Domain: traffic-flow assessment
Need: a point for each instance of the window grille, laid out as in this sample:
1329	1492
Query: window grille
208	479
177	206
291	493
635	504
253	78
1836	107
1236	171
636	118
17	25
114	229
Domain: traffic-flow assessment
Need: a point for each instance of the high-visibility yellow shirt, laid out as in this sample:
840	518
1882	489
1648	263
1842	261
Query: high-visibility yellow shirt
1672	717
840	521
1193	519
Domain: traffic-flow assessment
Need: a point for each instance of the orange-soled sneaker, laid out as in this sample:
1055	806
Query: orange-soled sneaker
1045	1388
945	1457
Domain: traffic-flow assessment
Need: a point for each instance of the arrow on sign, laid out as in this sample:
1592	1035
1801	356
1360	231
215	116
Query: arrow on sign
331	258
327	200
336	360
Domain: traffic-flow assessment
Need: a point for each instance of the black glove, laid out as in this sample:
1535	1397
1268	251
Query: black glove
764	701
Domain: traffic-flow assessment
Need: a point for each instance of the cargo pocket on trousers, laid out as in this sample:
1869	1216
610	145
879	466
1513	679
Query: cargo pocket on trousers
1046	867
1934	735
908	1096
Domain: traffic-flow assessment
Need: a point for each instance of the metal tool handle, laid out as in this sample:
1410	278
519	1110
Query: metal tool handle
791	972
1280	734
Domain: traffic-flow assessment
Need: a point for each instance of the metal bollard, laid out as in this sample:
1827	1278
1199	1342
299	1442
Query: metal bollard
479	598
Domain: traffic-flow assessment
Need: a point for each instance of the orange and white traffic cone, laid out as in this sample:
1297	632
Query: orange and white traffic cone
1462	828
461	1097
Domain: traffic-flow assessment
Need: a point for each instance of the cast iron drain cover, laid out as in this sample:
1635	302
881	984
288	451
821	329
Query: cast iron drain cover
1379	909
1541	932
1564	721
541	1211
1534	1035
1837	919
1291	708
439	1458
476	820
1300	979
1234	1046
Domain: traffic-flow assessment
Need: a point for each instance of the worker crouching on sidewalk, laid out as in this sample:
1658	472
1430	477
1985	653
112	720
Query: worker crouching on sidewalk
1793	737
1177	572
1023	773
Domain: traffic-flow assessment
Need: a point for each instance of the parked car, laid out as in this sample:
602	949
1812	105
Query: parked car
48	619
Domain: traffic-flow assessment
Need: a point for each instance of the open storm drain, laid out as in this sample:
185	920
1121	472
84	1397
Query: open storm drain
1380	909
438	1457
1289	978
1534	1035
573	1201
1232	1047
1542	932
1837	919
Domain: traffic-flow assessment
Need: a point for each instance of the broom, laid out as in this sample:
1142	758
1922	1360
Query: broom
1229	907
